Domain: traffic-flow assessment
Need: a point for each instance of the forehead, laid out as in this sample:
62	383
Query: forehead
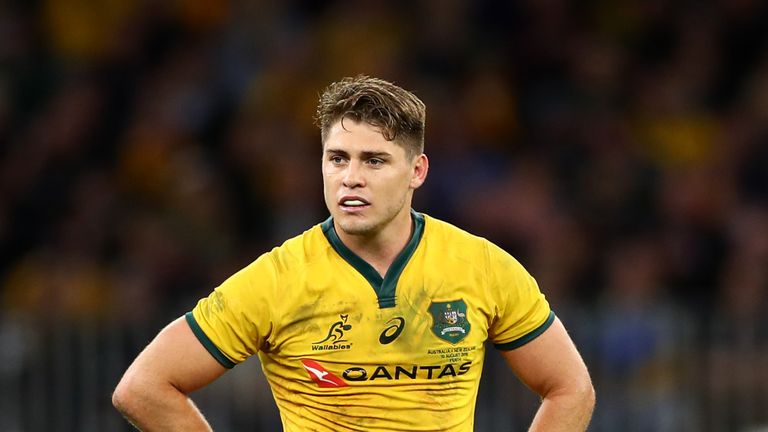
358	136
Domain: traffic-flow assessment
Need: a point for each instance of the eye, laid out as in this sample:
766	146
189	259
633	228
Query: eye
336	159
375	161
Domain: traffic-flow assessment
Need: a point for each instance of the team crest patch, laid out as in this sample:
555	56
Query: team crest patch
449	320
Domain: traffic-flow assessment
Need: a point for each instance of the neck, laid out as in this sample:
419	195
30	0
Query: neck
382	247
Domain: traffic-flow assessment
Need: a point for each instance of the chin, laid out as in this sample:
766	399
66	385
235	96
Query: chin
356	227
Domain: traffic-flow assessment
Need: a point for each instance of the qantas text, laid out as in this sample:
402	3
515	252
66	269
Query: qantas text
409	372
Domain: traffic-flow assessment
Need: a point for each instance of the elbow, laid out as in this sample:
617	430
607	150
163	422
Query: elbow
579	391
590	397
126	395
586	392
121	397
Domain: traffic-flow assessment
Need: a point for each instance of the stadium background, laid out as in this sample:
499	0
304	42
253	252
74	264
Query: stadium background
619	149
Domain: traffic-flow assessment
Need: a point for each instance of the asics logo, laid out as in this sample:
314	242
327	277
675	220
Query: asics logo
392	331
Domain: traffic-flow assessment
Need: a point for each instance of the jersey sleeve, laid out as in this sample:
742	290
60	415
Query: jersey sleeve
522	311
234	321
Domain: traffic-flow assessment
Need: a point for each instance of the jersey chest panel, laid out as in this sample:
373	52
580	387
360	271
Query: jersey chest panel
435	331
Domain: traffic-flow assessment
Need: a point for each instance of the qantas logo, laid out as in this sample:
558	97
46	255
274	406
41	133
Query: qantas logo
399	372
325	379
322	377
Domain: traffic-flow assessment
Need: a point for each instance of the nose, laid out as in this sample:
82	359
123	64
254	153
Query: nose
353	175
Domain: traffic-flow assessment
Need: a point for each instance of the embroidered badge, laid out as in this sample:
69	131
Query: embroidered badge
449	320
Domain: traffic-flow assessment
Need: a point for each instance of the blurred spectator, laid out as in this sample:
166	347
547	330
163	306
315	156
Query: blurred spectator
642	342
737	389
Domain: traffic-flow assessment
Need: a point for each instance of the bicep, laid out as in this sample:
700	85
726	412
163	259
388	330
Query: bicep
178	358
549	363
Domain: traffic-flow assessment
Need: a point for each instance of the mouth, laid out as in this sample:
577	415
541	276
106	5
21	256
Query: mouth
353	203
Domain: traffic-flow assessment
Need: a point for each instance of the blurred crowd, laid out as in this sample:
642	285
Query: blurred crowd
619	149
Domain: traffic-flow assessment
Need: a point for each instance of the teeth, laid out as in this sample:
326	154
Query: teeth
353	203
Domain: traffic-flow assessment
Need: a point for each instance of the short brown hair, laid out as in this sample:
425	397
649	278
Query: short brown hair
398	113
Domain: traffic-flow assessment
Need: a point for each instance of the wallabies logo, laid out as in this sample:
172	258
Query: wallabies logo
336	332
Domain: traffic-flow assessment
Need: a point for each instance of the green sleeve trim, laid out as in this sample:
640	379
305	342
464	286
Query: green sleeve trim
203	338
517	343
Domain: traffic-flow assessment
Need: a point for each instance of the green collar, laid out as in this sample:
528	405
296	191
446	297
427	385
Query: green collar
384	287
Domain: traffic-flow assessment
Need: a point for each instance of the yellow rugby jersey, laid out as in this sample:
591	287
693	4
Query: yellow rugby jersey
344	349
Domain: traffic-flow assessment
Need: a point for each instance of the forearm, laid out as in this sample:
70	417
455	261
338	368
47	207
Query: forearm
564	412
159	408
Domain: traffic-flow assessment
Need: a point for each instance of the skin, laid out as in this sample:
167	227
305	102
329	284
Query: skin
358	164
152	394
550	366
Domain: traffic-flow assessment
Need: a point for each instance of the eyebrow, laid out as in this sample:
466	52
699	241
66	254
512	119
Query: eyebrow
363	154
371	154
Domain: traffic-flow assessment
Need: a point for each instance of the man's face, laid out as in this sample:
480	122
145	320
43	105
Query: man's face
368	181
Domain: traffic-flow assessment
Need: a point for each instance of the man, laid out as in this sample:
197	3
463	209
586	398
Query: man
375	319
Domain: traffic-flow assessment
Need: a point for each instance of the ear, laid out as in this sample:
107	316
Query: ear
420	169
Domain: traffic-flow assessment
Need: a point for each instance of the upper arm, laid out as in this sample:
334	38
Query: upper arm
520	310
174	357
236	320
550	363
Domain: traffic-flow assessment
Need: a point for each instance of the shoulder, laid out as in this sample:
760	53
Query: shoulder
467	246
300	250
269	271
293	254
442	233
437	228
